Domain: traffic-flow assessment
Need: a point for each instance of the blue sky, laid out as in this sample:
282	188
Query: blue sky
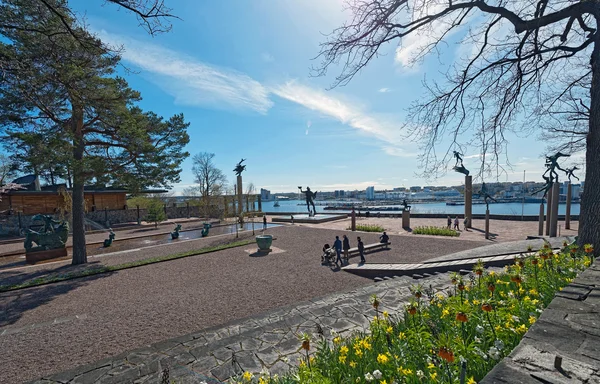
239	71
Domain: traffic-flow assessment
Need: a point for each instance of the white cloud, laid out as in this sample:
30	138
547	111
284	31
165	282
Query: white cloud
267	57
191	81
384	90
346	112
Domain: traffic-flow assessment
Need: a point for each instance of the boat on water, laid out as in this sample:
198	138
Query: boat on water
276	203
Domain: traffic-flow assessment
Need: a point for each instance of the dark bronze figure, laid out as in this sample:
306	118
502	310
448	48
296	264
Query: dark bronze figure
461	168
309	200
569	172
239	168
486	196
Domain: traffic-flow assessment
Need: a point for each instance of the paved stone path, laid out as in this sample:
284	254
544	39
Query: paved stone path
563	346
266	341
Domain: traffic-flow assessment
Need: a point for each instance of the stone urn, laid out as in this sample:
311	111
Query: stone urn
264	242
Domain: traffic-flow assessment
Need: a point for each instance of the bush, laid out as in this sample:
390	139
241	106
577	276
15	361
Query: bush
367	228
156	212
471	326
435	231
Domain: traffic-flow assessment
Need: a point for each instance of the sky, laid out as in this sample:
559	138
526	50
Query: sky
239	71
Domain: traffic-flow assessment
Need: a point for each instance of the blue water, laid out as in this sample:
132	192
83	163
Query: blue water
527	209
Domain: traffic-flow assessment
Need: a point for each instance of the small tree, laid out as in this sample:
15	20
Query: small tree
155	212
211	180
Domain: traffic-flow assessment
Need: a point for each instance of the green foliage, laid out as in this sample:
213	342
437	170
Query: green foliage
368	228
142	201
478	321
155	211
435	231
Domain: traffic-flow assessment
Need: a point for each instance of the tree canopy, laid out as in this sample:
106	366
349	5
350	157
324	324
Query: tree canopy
532	64
65	88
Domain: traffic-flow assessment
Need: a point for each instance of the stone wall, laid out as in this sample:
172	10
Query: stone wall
13	224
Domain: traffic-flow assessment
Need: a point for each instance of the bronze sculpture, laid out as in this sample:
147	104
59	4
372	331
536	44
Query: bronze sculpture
309	200
552	164
54	235
175	233
111	237
239	168
405	206
461	168
569	172
486	196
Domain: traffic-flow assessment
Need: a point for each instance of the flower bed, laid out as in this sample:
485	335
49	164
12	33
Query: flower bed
436	231
442	336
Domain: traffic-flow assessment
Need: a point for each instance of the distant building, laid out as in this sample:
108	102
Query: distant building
339	193
415	188
370	192
265	194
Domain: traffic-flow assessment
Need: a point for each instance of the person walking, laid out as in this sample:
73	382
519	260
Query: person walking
361	250
337	245
465	222
449	222
456	227
264	222
346	246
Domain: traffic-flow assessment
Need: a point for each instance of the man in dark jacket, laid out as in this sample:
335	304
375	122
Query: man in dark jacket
346	245
361	250
384	238
337	245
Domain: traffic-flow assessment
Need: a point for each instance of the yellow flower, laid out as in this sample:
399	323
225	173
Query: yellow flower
344	350
337	340
531	319
430	366
342	358
385	314
358	352
383	382
247	376
492	273
522	328
389	329
262	381
352	364
402	335
382	359
445	312
535	301
407	371
476	302
433	376
498	328
471	381
533	292
302	363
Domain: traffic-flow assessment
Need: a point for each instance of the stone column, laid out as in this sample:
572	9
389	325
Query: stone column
541	225
568	211
240	195
469	199
406	219
548	208
487	223
353	217
554	210
259	203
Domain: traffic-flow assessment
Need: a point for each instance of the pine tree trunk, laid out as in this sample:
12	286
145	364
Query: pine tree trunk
589	218
79	251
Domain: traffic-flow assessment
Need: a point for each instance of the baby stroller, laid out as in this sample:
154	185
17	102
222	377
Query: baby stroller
329	255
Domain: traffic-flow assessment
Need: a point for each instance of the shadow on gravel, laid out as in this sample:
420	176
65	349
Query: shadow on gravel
22	275
15	303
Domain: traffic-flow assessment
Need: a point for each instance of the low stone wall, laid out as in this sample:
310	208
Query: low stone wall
13	224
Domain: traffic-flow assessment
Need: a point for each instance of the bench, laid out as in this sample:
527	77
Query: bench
369	247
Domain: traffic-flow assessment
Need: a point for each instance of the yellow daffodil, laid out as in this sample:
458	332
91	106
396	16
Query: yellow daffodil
389	329
430	366
471	381
522	328
386	314
445	312
337	340
433	376
382	359
262	381
402	336
247	376
342	358
343	350
352	364
476	302
532	319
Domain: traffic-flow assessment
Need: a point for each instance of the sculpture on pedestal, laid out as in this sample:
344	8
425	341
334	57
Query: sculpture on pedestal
405	206
309	200
569	172
486	196
53	235
239	168
461	168
552	164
